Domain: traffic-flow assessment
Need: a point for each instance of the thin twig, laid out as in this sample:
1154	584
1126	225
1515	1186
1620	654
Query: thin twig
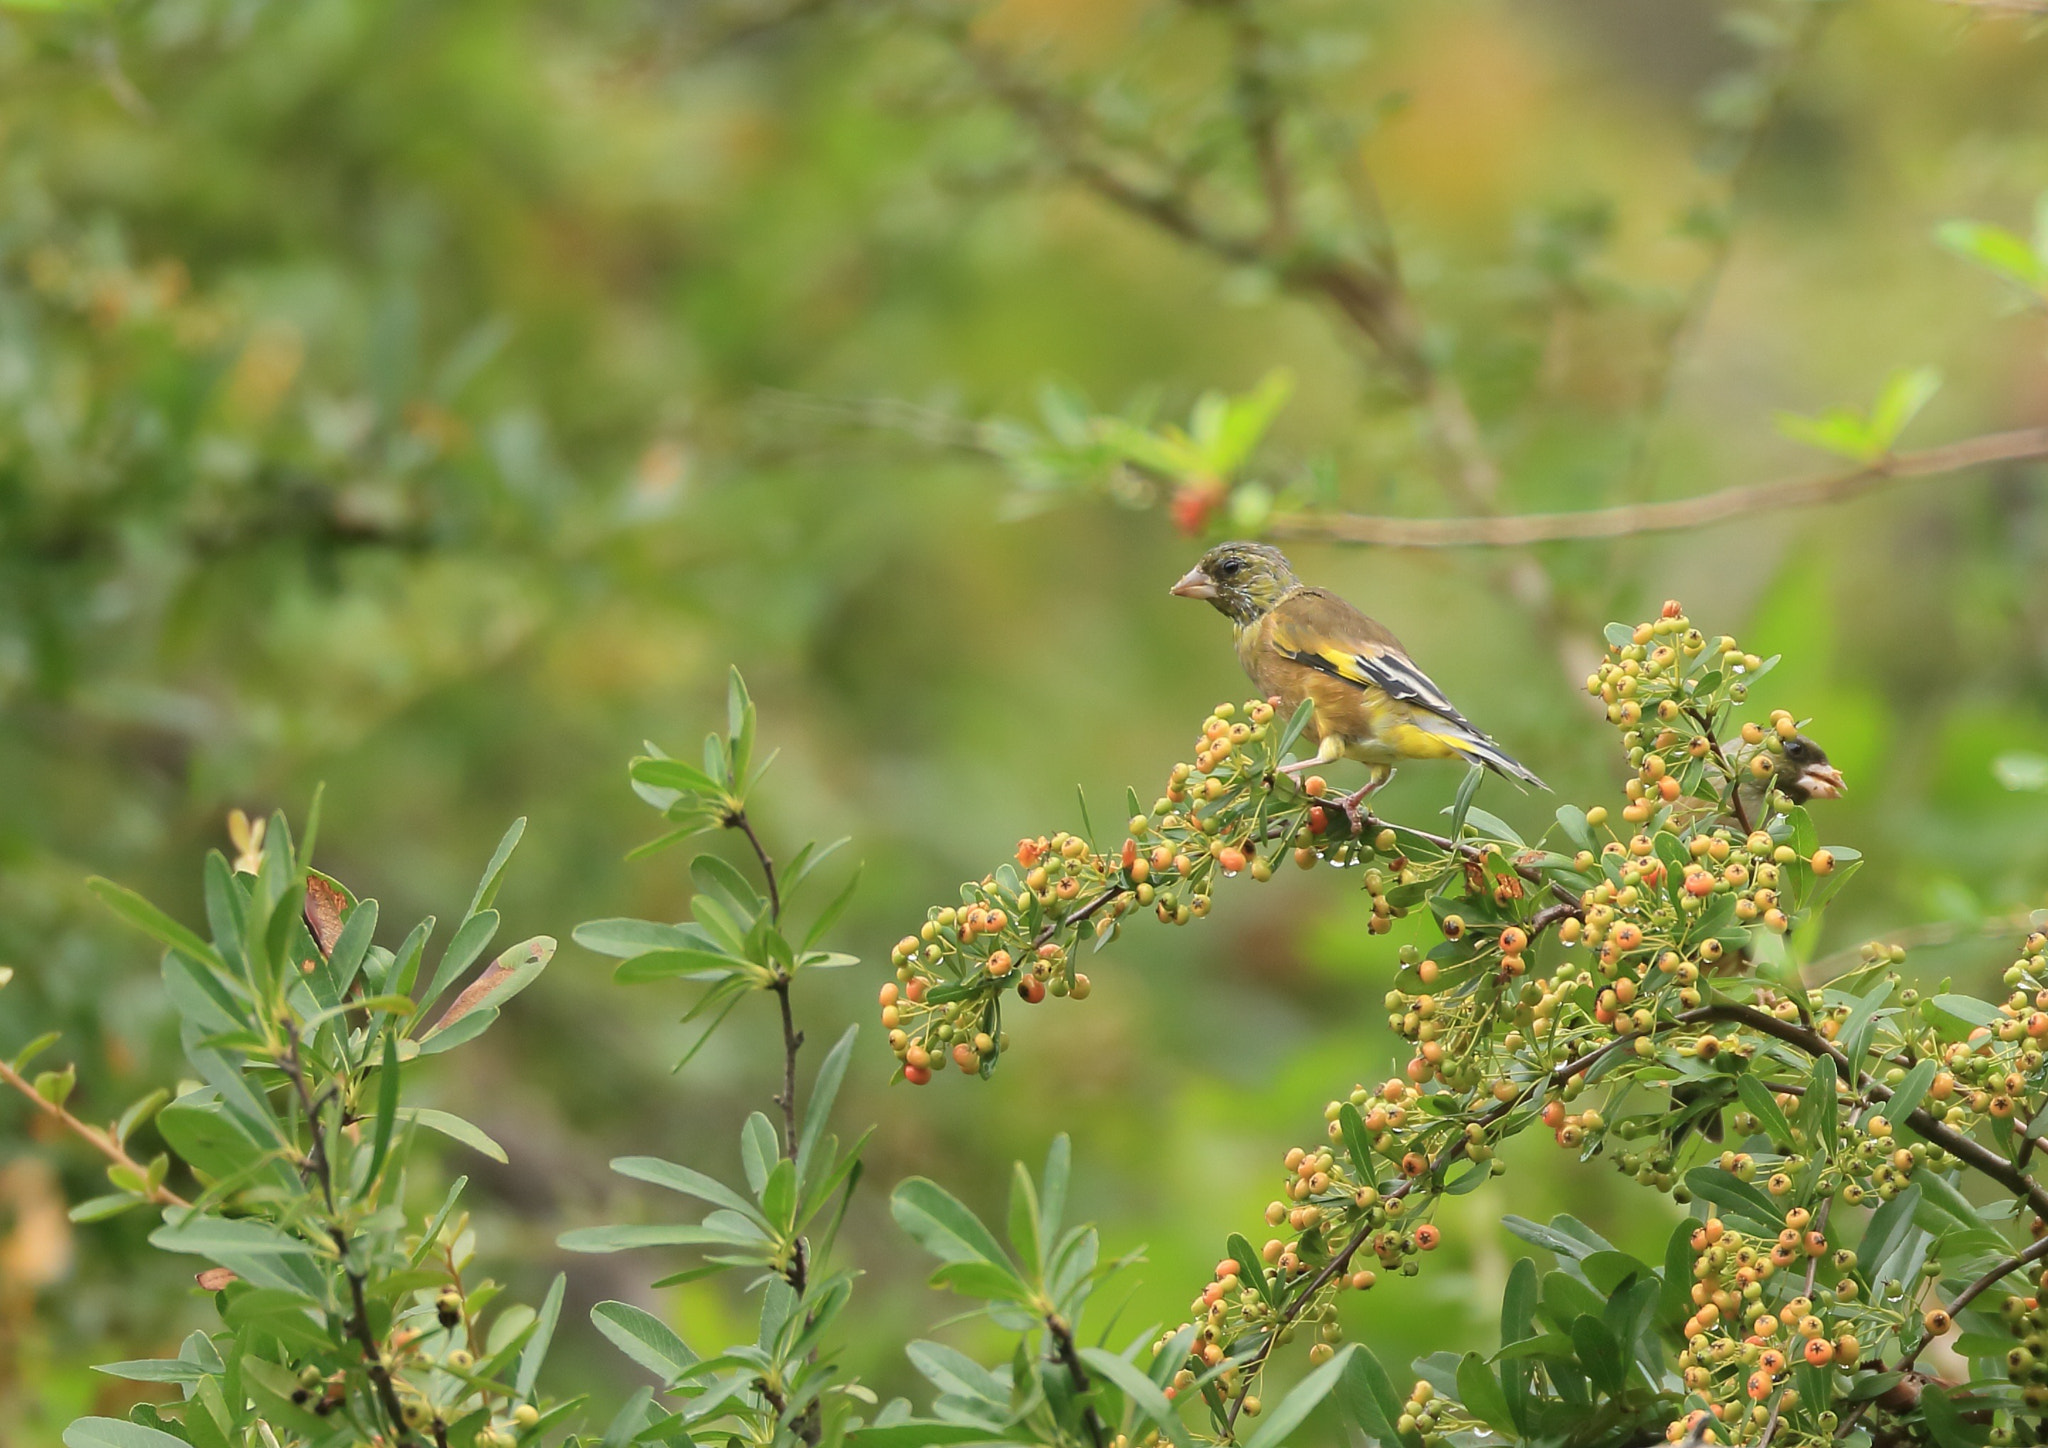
1975	1290
1633	519
101	1141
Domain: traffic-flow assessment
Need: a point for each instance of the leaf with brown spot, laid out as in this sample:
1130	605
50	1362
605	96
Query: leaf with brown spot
324	906
502	979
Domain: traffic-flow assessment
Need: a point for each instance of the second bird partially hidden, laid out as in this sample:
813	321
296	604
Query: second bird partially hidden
1372	704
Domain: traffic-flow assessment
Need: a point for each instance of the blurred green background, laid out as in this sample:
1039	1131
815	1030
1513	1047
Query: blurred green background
433	400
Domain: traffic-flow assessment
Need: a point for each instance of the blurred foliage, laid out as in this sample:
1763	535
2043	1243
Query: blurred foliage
432	401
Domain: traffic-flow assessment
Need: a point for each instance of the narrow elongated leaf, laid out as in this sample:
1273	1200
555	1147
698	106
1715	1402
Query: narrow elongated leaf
1368	1396
462	951
623	939
824	1091
1143	1394
1764	1107
117	1433
536	1349
387	1105
455	1128
153	1370
644	1338
1023	1223
138	912
494	873
1600	1354
1909	1093
1518	1302
1281	1419
687	1180
503	979
942	1225
1052	1185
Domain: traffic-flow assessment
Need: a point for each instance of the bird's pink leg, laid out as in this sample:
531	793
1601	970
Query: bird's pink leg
1350	803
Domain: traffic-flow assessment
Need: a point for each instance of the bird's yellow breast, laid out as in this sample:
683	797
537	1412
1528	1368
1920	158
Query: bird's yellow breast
1373	727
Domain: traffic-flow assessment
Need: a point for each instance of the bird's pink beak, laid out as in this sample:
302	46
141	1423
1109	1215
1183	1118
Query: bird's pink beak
1823	781
1195	584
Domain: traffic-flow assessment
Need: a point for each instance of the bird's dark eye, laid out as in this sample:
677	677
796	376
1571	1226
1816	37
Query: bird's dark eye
1795	749
1231	567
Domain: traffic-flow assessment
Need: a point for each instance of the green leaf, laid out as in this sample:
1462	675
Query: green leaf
1600	1354
1140	1391
117	1433
1997	250
1052	1184
625	1238
1290	1412
1909	1093
1904	395
1674	1297
1482	1394
672	774
687	1180
455	1128
536	1349
1023	1222
759	1149
463	1031
1710	1183
624	939
387	1104
644	1338
1941	1415
952	1371
1368	1396
512	972
1762	1105
942	1225
1467	788
152	922
1518	1302
153	1370
1968	1008
824	1091
494	873
1251	1268
462	951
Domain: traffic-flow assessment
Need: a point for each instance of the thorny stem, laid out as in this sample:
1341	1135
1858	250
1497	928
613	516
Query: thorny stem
101	1141
1063	1344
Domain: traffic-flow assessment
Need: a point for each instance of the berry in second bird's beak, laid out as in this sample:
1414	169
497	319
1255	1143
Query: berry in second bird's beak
1195	584
1822	781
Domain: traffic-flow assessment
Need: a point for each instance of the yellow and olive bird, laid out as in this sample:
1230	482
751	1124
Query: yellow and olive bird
1372	704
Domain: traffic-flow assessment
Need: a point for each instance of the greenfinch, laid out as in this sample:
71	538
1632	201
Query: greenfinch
1371	703
1800	773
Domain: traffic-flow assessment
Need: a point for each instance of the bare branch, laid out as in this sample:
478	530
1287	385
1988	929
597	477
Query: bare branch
1633	519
